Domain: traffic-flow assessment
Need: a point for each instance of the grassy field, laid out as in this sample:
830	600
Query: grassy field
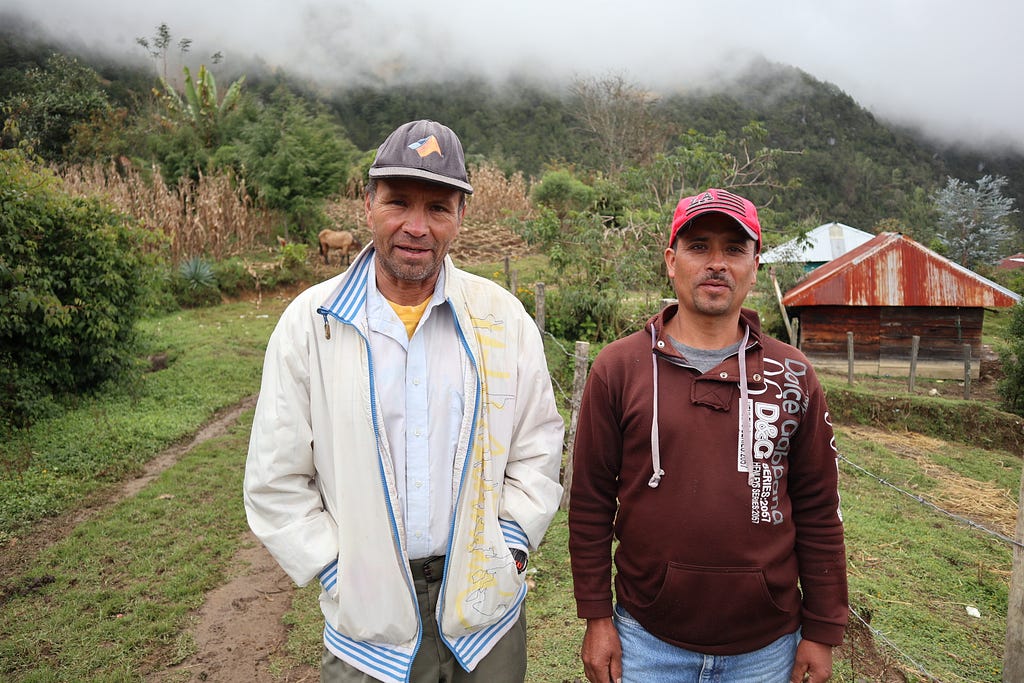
114	600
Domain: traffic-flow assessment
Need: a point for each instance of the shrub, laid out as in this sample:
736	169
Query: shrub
1011	386
72	286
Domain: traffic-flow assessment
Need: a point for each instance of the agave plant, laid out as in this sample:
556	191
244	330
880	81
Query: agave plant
197	274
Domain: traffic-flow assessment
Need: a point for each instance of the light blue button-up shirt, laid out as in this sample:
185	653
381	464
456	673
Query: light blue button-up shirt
421	400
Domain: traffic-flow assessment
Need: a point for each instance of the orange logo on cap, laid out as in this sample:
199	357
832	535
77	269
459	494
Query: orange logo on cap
427	146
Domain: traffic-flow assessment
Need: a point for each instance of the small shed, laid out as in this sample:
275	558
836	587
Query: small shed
1011	262
885	292
819	246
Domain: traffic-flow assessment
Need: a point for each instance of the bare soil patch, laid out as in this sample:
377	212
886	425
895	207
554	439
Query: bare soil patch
239	632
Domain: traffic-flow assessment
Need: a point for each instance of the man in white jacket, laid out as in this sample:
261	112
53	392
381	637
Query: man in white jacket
406	445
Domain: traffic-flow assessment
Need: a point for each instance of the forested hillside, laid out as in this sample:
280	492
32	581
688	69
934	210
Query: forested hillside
840	162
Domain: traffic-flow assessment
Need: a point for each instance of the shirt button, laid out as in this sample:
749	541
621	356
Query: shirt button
419	484
661	344
418	432
416	381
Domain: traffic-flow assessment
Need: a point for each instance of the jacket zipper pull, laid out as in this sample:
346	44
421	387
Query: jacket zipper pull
327	327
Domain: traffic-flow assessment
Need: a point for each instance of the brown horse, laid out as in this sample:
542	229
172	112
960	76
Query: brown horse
338	240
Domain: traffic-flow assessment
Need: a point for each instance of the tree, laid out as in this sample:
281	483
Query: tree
202	107
293	155
73	284
621	118
1011	385
973	220
58	97
158	46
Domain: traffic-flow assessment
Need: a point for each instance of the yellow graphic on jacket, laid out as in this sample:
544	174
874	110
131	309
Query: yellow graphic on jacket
486	555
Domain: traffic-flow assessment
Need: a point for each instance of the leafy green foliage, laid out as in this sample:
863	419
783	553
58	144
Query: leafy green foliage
605	240
563	193
56	98
72	286
197	273
201	106
1011	385
293	155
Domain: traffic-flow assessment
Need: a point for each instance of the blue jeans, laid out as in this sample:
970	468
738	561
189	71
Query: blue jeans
646	659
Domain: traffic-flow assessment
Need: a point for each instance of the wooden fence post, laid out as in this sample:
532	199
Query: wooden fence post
579	380
539	305
849	358
1013	657
967	372
508	279
915	344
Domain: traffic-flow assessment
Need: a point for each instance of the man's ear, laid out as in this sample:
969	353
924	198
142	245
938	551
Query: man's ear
670	261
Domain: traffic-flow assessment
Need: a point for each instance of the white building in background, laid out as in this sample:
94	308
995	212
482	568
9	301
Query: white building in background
818	246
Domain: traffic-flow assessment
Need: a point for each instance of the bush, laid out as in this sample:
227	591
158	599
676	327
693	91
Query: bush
72	286
1011	386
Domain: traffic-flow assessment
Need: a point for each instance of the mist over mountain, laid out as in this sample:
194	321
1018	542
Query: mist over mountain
507	95
944	68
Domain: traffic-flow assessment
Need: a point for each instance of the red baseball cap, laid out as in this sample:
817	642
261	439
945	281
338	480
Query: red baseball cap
716	201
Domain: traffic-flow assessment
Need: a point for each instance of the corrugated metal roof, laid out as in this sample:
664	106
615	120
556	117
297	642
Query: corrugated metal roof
824	243
893	270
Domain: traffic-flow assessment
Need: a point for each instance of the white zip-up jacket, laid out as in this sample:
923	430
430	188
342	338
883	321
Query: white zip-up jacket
320	489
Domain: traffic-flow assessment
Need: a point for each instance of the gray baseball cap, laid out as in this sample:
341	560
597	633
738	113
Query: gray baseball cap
426	150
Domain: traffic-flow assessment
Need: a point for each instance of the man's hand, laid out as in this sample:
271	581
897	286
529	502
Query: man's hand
602	652
813	663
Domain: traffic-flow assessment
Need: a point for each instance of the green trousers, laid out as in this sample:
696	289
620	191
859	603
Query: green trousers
434	662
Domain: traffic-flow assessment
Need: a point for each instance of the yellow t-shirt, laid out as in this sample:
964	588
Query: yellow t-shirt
410	315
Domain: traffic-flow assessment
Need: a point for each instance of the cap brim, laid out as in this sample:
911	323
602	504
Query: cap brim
750	233
420	174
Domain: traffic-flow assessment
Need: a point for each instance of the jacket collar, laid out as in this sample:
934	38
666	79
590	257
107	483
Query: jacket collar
348	299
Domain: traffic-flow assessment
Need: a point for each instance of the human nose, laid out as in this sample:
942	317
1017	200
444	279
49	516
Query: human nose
416	221
715	259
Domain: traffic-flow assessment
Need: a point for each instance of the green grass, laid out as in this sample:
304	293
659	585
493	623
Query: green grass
914	571
113	601
214	360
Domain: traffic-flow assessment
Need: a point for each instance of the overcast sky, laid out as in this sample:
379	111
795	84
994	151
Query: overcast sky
953	68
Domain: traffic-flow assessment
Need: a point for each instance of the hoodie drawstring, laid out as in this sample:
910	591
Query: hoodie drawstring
746	426
655	449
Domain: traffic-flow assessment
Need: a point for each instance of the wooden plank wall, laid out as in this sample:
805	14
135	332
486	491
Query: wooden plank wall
884	332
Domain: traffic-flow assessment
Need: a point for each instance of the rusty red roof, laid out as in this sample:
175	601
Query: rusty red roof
894	270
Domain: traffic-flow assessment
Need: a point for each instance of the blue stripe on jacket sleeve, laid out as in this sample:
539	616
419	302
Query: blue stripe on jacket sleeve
514	535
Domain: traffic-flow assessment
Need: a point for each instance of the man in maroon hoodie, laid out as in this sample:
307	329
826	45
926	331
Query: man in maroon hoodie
705	448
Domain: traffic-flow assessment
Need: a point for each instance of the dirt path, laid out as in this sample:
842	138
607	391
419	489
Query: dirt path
239	628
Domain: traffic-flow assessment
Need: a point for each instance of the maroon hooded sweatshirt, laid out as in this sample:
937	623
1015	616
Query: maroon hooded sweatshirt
713	555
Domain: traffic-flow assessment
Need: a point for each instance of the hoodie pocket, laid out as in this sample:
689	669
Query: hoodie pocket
711	606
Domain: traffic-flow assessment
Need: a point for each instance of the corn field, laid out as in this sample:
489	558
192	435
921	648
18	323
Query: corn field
495	196
211	217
